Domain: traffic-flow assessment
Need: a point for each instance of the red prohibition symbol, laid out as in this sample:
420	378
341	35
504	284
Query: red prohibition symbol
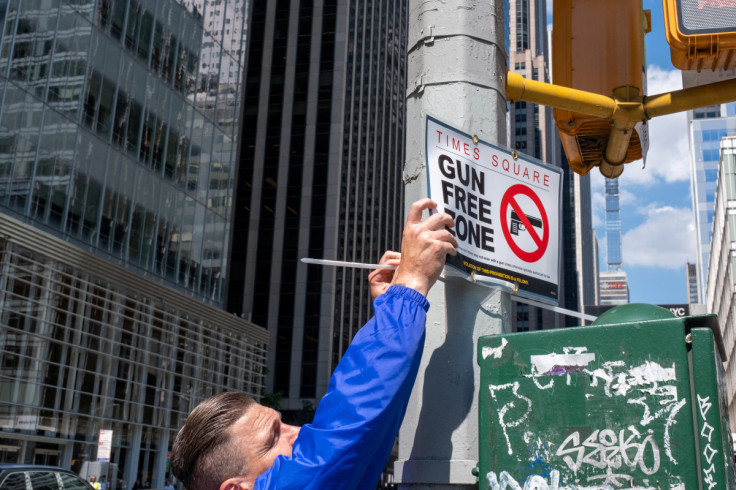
509	198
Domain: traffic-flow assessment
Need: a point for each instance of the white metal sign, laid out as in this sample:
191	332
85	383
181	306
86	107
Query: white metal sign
104	445
506	209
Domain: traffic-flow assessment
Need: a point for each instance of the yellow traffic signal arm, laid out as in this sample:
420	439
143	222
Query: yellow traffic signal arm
690	98
622	109
520	88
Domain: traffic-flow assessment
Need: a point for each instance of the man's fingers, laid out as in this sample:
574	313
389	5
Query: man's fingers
416	209
439	220
390	256
444	235
450	238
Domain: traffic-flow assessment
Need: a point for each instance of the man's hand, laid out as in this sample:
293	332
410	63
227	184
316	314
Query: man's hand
424	247
380	279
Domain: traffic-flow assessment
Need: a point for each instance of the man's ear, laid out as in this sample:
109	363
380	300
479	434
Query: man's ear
237	483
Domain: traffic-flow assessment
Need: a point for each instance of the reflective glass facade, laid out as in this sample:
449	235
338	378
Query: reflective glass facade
707	126
613	283
119	122
706	130
613	226
691	272
721	284
86	345
117	129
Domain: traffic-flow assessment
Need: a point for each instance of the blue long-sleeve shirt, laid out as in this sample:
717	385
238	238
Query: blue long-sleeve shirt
349	441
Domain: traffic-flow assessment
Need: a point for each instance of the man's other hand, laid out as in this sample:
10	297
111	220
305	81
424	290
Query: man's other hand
424	247
380	279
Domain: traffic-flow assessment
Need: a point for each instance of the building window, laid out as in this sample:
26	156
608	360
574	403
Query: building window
522	25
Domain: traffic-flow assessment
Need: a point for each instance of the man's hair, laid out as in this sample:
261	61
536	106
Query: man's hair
202	456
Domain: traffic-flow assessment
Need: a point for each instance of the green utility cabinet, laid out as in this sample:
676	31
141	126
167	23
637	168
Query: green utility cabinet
635	400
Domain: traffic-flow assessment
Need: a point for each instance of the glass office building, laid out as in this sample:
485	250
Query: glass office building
706	127
613	226
118	128
112	134
613	283
721	286
693	290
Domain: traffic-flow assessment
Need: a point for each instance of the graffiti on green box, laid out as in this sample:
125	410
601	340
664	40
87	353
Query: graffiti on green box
611	451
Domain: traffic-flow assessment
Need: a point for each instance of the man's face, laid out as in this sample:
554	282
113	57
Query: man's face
262	437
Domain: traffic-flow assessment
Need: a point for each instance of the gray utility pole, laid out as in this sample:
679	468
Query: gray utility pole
456	74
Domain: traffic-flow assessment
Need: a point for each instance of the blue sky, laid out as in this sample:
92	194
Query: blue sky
656	207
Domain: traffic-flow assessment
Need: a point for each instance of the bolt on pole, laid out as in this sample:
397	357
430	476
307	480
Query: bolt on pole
456	74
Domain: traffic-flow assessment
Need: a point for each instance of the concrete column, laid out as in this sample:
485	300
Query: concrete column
159	478
133	457
456	74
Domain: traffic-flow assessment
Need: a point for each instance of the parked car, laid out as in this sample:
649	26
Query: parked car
35	477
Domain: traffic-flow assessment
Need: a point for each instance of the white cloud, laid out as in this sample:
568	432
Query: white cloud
627	198
665	239
598	207
662	80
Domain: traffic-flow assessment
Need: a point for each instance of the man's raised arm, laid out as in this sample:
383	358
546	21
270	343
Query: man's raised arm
356	422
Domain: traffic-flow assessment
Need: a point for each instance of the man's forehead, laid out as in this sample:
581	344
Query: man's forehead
258	416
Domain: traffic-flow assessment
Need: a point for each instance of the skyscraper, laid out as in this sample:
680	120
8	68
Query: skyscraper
614	287
320	176
530	125
580	245
693	294
721	287
532	132
614	284
532	128
613	226
117	160
706	127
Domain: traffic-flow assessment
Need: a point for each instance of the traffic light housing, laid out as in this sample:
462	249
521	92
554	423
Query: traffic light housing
701	33
598	47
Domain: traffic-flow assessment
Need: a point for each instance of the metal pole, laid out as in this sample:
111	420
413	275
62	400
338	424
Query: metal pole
456	74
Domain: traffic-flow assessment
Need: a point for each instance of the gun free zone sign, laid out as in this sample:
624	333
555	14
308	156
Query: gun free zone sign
506	208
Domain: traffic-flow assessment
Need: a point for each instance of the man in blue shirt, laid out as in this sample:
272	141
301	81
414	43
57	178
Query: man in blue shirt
230	442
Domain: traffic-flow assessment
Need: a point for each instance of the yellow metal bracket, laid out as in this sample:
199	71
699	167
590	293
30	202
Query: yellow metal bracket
623	109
